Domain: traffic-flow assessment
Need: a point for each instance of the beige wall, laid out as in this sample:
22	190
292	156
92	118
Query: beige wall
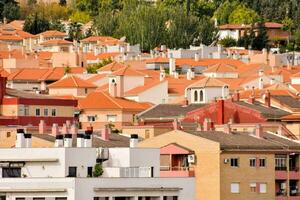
145	132
244	174
9	110
61	111
207	167
294	128
69	91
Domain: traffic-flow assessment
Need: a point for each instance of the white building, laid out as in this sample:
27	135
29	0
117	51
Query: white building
65	172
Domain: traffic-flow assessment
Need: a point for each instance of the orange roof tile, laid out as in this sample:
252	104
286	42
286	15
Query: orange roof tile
114	66
45	55
157	60
102	100
127	71
221	68
17	24
10	37
101	56
207	82
99	38
27	74
56	42
52	33
71	82
140	89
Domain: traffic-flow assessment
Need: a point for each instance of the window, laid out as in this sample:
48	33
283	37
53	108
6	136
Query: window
61	198
280	162
235	188
37	112
101	198
262	162
253	187
72	172
195	96
26	111
8	134
11	172
45	112
111	118
53	112
90	171
38	198
201	96
85	90
262	188
252	162
20	198
234	162
91	118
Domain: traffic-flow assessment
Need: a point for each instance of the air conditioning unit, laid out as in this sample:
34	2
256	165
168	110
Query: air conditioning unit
192	158
226	160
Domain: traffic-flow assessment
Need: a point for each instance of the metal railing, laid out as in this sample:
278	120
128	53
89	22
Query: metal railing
169	168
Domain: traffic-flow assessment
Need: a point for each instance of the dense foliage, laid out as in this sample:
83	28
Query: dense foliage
176	23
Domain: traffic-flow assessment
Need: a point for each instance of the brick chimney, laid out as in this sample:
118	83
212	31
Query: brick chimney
251	98
258	131
220	111
207	124
236	96
267	99
2	88
227	128
105	133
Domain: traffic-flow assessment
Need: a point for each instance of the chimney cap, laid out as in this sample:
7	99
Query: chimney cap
80	135
68	135
87	136
27	135
20	130
59	137
134	136
88	132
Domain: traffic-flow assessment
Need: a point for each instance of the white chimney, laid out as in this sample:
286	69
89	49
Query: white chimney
189	74
172	64
162	75
261	72
272	81
88	140
59	141
197	57
20	142
261	83
68	140
219	48
134	140
28	140
176	75
80	140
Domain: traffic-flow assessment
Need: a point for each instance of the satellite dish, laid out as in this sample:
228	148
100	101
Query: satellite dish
122	39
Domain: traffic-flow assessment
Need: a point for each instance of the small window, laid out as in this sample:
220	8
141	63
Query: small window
53	112
252	187
235	188
37	112
262	162
252	162
45	112
234	162
38	198
11	172
111	118
20	198
262	188
85	90
26	111
91	118
8	134
72	172
90	171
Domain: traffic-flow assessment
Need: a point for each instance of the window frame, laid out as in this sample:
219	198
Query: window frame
38	112
238	188
46	112
252	160
232	163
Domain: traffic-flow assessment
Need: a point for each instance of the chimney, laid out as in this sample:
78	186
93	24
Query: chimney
251	98
64	129
162	75
185	102
220	111
227	128
261	83
59	140
28	140
54	129
189	74
237	95
87	140
176	75
197	57
272	81
80	140
206	124
267	99
113	89
42	127
68	140
176	124
105	133
219	49
261	72
2	88
258	131
74	129
289	66
20	142
134	140
172	64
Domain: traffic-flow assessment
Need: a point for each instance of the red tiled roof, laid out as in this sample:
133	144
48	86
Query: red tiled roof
140	89
102	100
10	37
71	82
221	68
114	66
127	71
99	38
52	33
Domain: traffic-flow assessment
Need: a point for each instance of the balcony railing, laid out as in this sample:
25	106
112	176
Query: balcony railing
167	171
280	168
169	168
125	172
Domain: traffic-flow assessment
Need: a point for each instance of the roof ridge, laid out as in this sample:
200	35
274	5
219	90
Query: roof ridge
74	80
108	96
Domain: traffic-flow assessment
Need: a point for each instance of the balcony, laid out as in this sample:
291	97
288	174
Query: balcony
282	174
128	172
282	192
167	171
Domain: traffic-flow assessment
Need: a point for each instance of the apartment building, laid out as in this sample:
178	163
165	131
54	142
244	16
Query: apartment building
231	165
56	173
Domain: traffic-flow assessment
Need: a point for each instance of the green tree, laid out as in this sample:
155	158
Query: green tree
106	23
243	15
224	10
36	24
11	11
75	32
261	39
98	170
207	32
228	42
57	25
80	16
62	2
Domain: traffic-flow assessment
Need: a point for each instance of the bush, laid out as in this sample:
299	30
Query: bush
98	170
228	42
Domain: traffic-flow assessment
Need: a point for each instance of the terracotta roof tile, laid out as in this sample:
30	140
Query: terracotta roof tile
221	68
140	89
127	71
56	42
208	82
52	33
71	82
